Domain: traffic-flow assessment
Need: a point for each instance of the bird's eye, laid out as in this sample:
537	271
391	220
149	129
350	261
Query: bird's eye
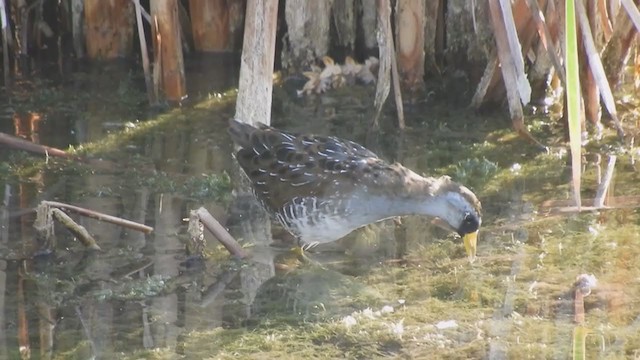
468	219
469	223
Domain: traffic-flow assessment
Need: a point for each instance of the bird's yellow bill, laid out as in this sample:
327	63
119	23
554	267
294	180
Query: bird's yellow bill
470	241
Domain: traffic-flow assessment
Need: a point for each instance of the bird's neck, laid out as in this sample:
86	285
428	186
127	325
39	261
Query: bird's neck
418	196
429	205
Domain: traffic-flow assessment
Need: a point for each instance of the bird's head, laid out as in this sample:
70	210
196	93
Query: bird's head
461	212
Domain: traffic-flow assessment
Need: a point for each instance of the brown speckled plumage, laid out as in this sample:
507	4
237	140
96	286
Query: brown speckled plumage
322	187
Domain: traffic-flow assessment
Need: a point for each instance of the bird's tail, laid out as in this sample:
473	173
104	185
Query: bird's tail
240	132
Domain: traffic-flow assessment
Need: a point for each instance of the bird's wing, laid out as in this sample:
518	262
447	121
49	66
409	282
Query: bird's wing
283	166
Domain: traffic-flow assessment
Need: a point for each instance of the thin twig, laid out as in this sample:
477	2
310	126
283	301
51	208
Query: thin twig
144	53
157	61
143	12
603	188
213	291
102	217
220	233
86	330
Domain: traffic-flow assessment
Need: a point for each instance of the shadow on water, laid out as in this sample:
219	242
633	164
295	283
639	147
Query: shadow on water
396	288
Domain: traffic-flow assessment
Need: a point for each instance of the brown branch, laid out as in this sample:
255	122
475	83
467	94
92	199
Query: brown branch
76	229
220	233
21	144
213	291
102	217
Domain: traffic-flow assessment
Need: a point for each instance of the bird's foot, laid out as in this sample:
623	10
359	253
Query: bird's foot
300	250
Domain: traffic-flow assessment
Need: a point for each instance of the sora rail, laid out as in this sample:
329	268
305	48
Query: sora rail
320	188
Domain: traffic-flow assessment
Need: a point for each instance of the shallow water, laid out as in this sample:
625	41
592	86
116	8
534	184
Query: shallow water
388	290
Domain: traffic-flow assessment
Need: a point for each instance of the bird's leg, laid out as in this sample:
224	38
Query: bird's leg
301	248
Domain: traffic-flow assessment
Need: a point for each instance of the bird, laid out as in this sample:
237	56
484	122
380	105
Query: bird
321	188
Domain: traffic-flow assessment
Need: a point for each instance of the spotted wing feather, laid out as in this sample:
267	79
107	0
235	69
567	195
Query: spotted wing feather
283	166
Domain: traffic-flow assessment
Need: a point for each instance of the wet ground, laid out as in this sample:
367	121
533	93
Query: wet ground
548	282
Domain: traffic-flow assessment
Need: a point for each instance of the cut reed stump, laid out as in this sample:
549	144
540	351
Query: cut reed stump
590	91
210	24
410	23
369	23
308	33
433	36
108	28
253	103
344	19
617	49
514	31
388	70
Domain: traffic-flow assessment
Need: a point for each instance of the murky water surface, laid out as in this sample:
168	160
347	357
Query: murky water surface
548	282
